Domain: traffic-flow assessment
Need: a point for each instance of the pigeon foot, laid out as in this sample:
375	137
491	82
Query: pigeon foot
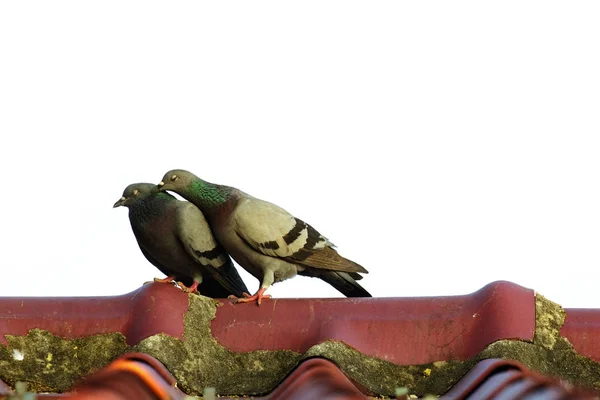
168	279
249	299
191	289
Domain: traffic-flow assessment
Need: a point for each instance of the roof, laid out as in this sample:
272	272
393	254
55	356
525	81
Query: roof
142	377
426	344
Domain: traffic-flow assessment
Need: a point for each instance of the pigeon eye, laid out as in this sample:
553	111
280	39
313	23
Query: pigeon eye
174	178
135	192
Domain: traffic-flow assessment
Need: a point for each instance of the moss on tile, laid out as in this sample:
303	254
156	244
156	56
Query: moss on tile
200	361
53	364
550	353
549	318
383	377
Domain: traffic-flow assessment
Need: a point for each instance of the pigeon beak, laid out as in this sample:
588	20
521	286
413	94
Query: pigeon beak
120	202
160	185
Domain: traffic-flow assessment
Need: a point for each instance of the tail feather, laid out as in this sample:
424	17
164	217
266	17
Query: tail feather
344	283
355	275
228	281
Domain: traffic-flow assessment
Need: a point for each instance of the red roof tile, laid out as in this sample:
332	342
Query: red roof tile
133	376
316	379
430	328
149	310
495	379
582	328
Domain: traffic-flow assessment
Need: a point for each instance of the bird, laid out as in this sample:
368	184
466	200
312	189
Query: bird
174	236
264	239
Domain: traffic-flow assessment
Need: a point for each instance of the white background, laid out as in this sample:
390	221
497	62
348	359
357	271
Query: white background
442	145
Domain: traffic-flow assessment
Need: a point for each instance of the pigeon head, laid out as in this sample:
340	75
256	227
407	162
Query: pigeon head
135	192
175	180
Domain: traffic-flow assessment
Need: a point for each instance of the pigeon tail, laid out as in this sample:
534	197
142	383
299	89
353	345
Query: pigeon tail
344	283
229	280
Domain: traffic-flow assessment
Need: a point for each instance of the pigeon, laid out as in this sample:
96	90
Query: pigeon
264	239
175	237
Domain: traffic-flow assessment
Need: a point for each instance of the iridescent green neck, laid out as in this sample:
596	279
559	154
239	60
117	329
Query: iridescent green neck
153	205
208	195
164	197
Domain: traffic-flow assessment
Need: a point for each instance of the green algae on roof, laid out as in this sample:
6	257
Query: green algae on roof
49	363
199	361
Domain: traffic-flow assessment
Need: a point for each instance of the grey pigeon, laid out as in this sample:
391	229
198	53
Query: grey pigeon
175	237
264	239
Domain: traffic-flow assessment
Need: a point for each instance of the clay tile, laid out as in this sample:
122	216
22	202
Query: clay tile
316	379
128	379
496	379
